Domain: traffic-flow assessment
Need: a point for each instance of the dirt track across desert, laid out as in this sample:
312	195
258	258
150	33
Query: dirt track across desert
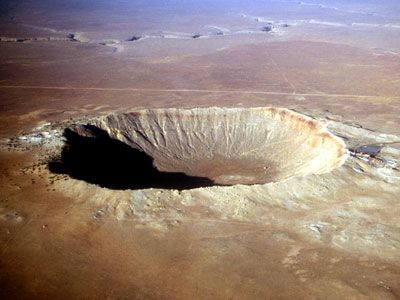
191	91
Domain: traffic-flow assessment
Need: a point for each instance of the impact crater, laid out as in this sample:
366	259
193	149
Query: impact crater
224	146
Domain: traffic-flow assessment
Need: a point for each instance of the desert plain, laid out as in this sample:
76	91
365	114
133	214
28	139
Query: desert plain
83	215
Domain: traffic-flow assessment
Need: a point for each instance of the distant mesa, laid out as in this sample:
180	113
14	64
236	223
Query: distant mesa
71	37
109	42
134	38
267	28
12	40
23	40
215	30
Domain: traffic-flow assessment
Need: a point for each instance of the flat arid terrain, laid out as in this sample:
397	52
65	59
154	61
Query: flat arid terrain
200	149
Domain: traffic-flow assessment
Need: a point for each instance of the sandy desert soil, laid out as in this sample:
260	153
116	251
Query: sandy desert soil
328	236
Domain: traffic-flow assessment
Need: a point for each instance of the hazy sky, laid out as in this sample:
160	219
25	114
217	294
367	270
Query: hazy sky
147	15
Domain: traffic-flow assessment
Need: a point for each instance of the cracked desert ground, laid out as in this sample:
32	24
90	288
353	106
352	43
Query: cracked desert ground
196	84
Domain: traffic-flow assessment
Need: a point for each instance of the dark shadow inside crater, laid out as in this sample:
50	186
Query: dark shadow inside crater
98	159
